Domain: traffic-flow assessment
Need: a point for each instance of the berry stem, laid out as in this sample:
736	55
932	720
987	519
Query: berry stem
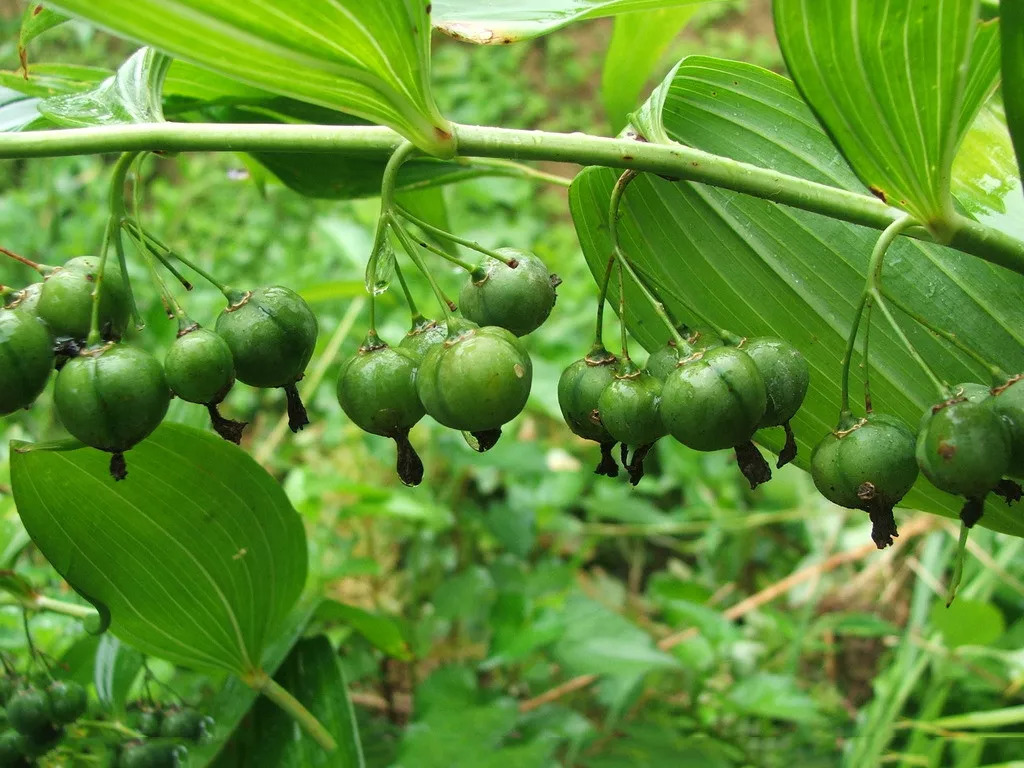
42	269
114	727
414	312
446	235
445	255
414	255
613	232
231	294
111	232
511	168
602	297
144	241
262	682
864	356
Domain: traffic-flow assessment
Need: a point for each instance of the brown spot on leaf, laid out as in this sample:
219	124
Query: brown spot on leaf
879	193
37	10
627	157
429	8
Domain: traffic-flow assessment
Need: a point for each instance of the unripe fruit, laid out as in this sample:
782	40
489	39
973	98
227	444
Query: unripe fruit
28	712
579	388
271	333
66	299
27	299
786	377
199	367
26	359
964	448
629	407
185	724
715	401
67	701
377	390
476	380
1008	403
112	398
148	722
417	342
153	754
518	298
12	750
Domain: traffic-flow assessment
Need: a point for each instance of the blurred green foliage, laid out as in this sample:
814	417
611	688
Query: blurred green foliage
509	573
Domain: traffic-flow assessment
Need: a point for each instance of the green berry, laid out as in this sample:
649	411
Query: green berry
153	754
420	339
185	724
112	398
199	367
786	377
964	448
7	689
26	359
664	360
579	388
714	401
629	407
1008	403
12	750
476	380
518	298
27	299
67	701
66	299
271	334
377	390
149	721
28	712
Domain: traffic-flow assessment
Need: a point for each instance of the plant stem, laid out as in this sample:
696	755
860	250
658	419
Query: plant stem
613	233
413	311
410	248
445	235
44	603
42	270
387	192
112	232
266	685
230	293
602	296
445	255
519	171
865	357
115	727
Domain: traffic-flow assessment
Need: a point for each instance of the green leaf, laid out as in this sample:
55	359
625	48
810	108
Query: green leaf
499	22
34	21
628	66
115	668
54	79
1011	21
762	269
198	556
268	737
775	697
967	622
888	79
16	110
381	631
369	59
131	95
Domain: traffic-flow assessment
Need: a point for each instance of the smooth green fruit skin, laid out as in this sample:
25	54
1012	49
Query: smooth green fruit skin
964	449
476	380
518	299
27	299
153	754
271	336
786	377
112	400
28	712
579	388
663	361
714	402
148	722
184	724
377	390
26	359
880	452
67	701
66	299
199	367
630	409
12	749
1009	405
417	343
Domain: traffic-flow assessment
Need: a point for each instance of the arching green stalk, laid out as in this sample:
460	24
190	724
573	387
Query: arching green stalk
445	255
414	313
450	237
410	248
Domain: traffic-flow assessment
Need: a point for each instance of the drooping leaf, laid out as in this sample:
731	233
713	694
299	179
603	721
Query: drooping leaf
764	269
115	668
381	631
369	59
198	555
628	65
35	21
267	738
131	95
499	22
887	78
1011	21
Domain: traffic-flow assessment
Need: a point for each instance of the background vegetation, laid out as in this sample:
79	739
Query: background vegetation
515	609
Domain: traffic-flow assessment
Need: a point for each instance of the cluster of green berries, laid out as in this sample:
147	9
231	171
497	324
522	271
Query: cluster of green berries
966	446
164	730
470	374
111	395
706	394
36	717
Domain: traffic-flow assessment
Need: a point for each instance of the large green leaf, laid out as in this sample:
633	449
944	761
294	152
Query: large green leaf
197	556
267	738
628	66
35	21
370	59
888	79
1012	22
760	268
499	22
